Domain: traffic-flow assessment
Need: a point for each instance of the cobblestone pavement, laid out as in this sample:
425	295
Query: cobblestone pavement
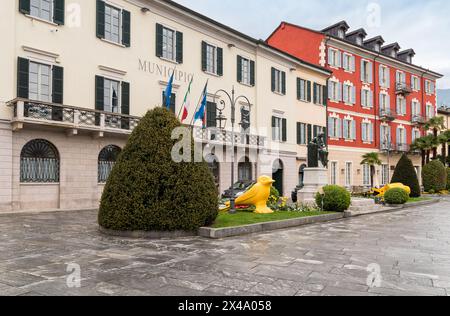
411	248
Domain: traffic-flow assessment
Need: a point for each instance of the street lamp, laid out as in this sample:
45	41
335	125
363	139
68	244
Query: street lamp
221	119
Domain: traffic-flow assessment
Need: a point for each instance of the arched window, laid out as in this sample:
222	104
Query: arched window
39	162
106	161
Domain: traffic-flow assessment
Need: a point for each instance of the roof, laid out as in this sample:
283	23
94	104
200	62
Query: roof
244	36
407	52
378	39
389	46
343	24
357	32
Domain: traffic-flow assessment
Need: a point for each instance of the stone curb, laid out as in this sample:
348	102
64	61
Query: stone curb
50	211
217	233
146	235
393	208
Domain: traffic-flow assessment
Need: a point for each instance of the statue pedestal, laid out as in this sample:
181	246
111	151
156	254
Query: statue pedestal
314	179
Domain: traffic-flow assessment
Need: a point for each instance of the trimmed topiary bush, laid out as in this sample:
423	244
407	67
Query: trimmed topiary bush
434	176
396	196
335	199
405	173
148	191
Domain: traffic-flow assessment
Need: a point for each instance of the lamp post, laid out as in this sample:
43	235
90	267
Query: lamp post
222	119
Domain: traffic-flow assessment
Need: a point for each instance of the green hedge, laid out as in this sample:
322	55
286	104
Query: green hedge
334	199
434	176
448	178
406	174
148	191
396	196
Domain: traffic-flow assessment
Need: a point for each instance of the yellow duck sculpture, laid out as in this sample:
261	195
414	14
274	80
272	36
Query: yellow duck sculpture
383	190
257	195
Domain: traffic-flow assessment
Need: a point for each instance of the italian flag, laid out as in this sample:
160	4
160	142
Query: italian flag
186	103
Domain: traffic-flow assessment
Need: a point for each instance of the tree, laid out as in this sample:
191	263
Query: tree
434	176
372	160
419	145
443	140
148	191
405	173
436	124
425	145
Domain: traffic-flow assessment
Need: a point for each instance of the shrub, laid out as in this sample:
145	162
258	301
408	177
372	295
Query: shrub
405	173
274	197
148	191
396	196
434	176
335	199
448	179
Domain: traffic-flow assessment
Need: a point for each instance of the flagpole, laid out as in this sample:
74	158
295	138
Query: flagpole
199	101
189	91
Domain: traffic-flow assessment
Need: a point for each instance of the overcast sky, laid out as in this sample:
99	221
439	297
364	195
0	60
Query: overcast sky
423	25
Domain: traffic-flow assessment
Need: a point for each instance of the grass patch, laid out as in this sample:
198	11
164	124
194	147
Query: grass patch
419	199
225	220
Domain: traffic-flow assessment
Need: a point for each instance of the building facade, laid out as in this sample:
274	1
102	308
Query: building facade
76	76
378	100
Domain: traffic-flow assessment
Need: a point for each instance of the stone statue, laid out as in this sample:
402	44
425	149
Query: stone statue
317	151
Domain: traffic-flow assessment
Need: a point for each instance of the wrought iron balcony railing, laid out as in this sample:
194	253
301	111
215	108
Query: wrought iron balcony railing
418	119
73	118
402	88
215	135
393	147
387	115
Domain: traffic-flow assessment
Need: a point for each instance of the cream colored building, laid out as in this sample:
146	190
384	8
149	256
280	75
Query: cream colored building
77	75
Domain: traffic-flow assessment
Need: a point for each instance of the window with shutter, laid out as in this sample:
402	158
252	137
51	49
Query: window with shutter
179	47
23	74
211	114
125	89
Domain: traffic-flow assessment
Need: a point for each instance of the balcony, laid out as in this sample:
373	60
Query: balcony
403	89
73	119
223	137
394	148
387	115
417	119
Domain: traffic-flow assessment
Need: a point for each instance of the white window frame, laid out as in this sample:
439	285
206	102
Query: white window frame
211	58
303	90
367	126
386	74
39	15
168	54
401	105
366	71
367	97
334	172
335	91
319	94
385	172
278	81
399	75
415	83
110	82
350	62
335	57
348	122
245	71
416	108
40	83
415	135
366	175
430	111
349	88
348	174
277	131
108	33
334	128
384	102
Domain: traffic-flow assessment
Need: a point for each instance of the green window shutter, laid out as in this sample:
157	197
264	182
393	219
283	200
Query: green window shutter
283	82
24	6
58	12
315	96
273	79
252	73
100	19
23	75
239	69
125	106
179	36
299	126
284	130
325	95
273	121
299	82
58	85
99	97
211	114
309	133
126	28
308	91
57	92
204	49
159	40
219	61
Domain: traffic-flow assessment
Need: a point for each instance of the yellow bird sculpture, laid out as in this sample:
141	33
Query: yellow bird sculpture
257	195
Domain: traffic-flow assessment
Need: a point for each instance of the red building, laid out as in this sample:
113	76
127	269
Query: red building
378	100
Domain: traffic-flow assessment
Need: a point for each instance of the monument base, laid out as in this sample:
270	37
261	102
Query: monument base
314	179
